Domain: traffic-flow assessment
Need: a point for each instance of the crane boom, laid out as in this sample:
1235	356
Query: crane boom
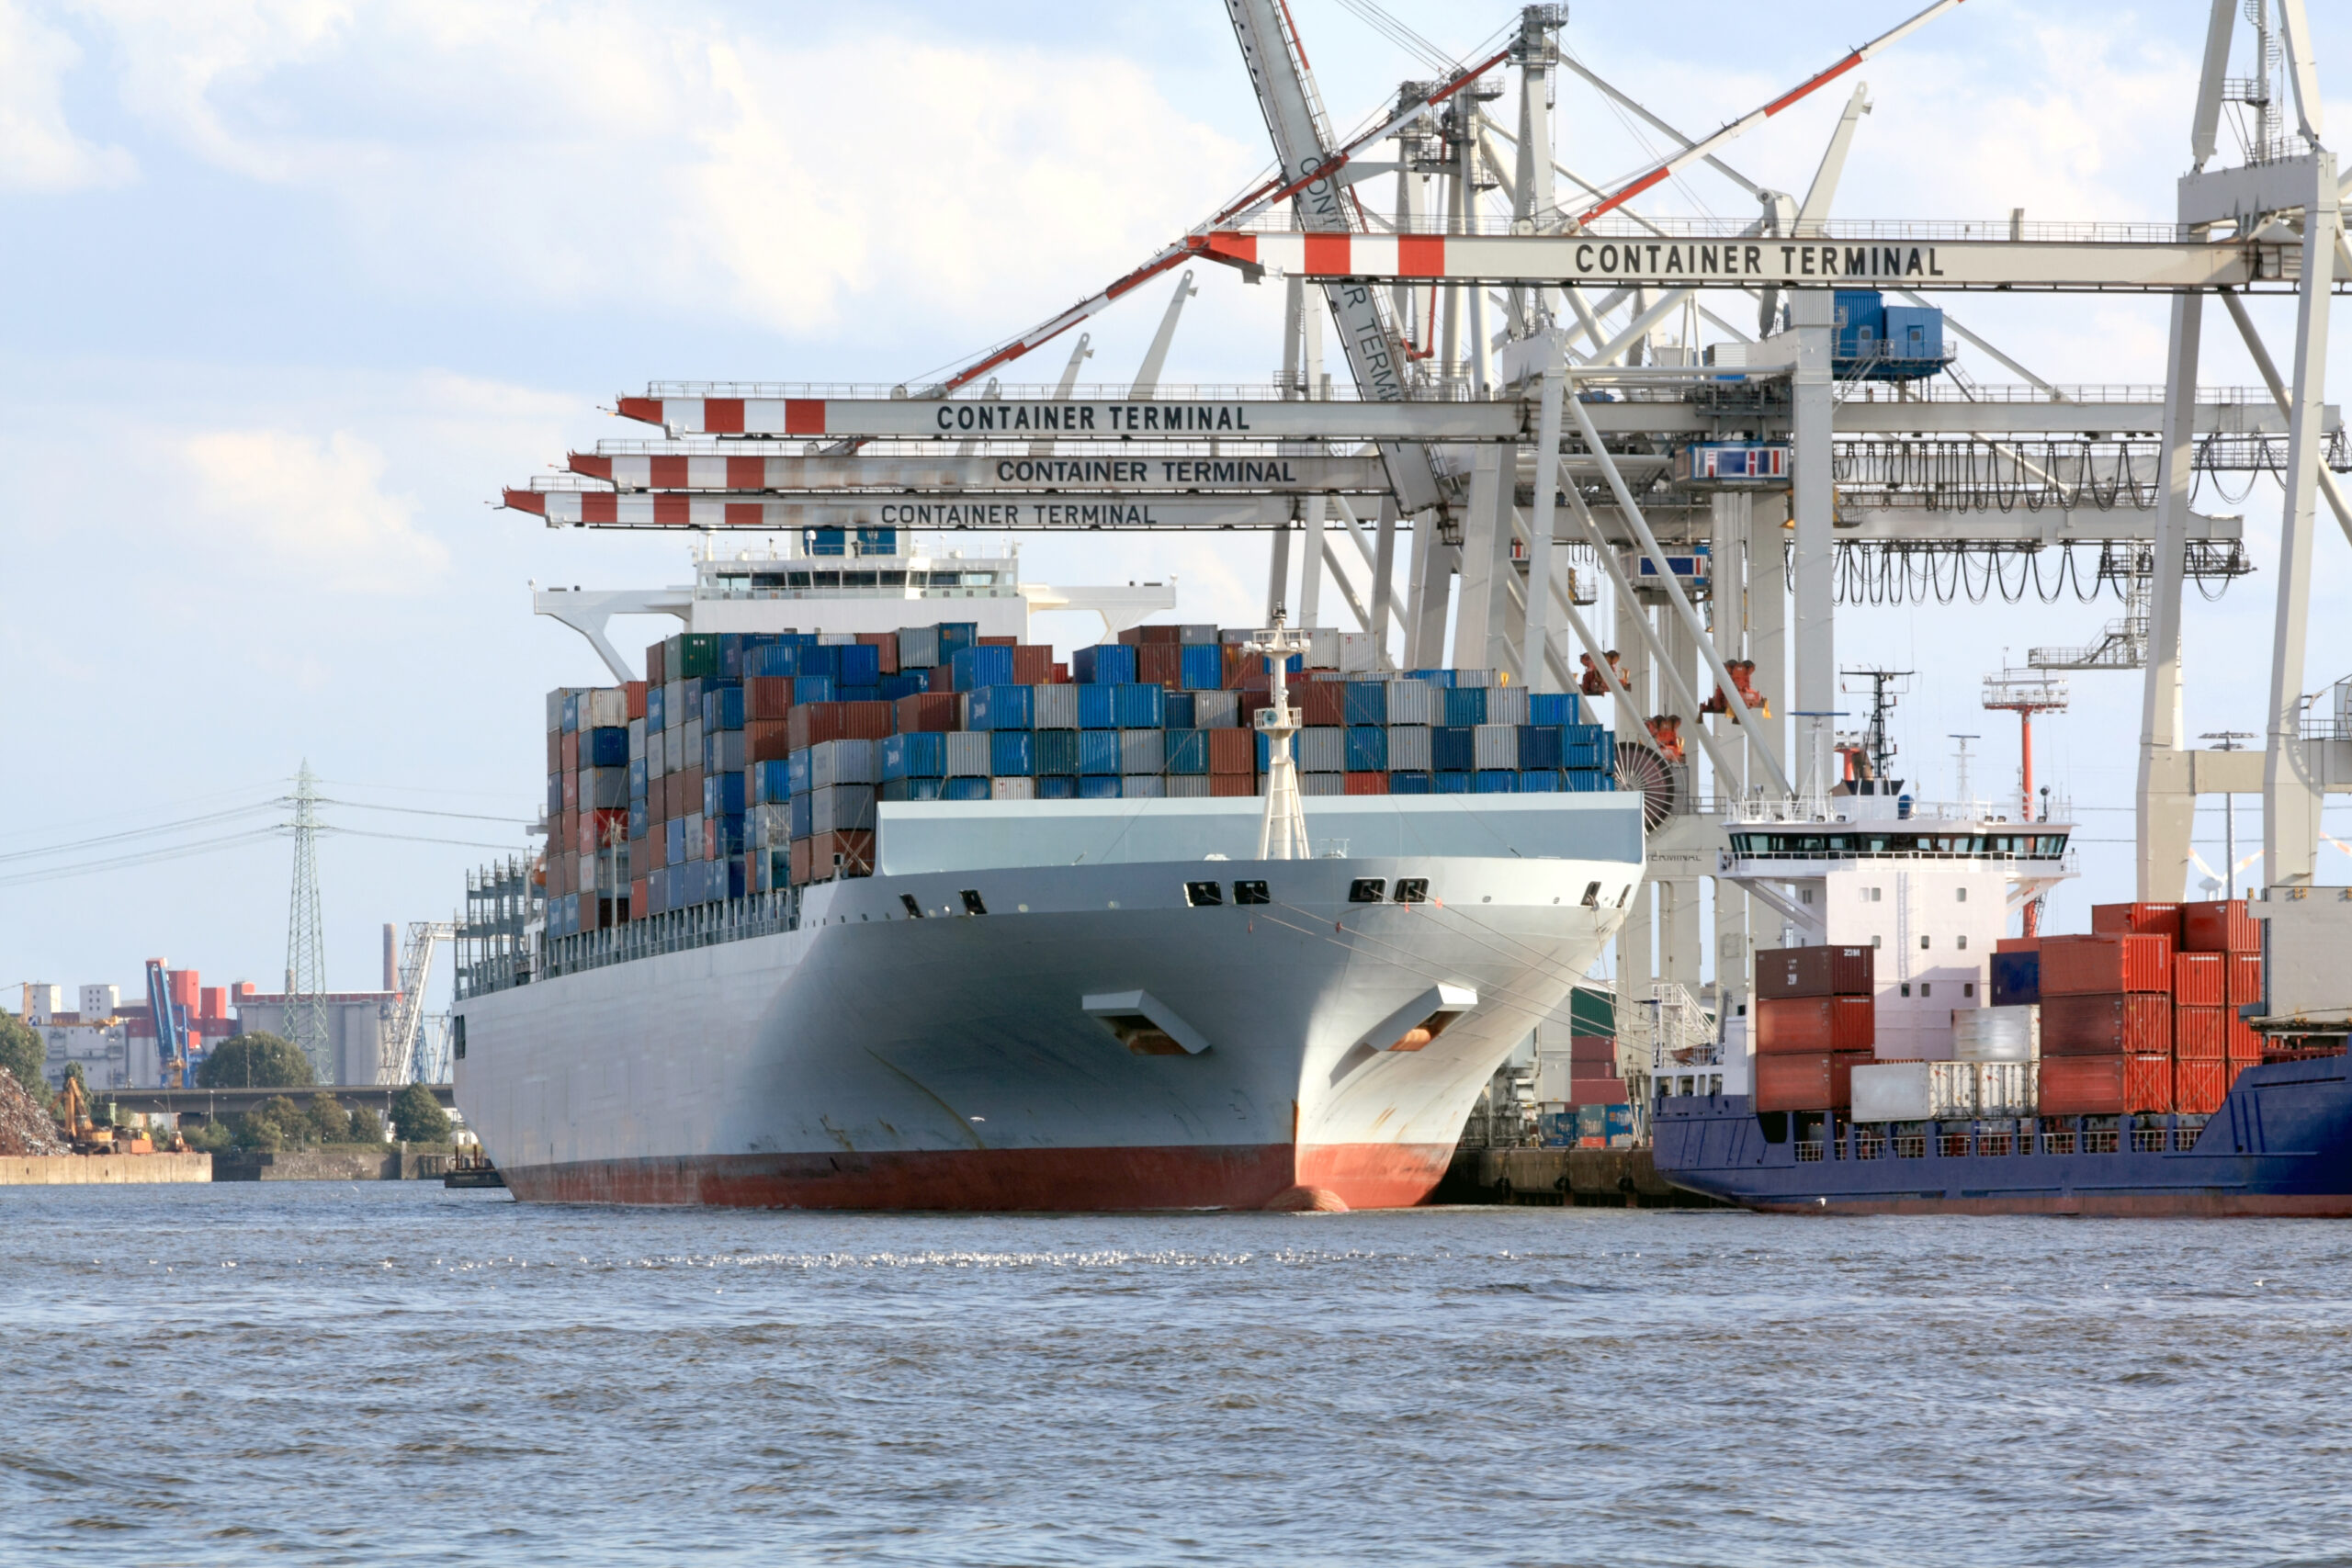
171	1026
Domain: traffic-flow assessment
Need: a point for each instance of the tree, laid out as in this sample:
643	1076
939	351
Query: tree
367	1127
418	1117
330	1123
22	1053
255	1061
276	1123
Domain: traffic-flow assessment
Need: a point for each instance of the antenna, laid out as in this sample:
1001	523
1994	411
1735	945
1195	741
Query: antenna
1961	786
306	1002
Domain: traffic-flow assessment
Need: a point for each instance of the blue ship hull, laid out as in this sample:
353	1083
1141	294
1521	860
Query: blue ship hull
2281	1144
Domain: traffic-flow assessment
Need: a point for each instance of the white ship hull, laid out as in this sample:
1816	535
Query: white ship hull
872	1059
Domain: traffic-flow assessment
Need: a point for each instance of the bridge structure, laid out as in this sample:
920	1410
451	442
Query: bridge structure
1560	429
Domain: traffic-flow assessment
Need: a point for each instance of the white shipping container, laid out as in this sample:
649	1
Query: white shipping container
657	755
723	752
836	639
1414	701
1322	784
1188	786
674	704
1409	745
1012	789
2003	1088
1358	651
1495	746
1473	677
604	789
918	648
967	754
1053	708
1322	748
606	707
841	809
1914	1091
843	763
1194	633
1322	648
769	827
1995	1034
1507	705
1215	710
1143	751
673	752
1143	786
636	738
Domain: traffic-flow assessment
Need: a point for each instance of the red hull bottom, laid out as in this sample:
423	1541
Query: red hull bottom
1252	1176
2118	1205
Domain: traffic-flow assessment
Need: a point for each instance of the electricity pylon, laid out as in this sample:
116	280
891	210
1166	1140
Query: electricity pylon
306	1001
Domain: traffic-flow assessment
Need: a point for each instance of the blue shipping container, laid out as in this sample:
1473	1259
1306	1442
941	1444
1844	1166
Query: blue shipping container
1057	786
1411	783
1453	750
1495	781
1453	783
1539	781
1540	746
973	668
1098	750
1188	751
1203	667
2016	978
1367	702
771	782
673	841
905	683
604	749
1104	664
1266	751
657	706
1000	707
1465	706
804	815
1367	749
1099	786
860	664
722	794
796	776
1176	710
1056	752
911	789
964	787
1012	753
918	756
1098	708
1139	708
1554	707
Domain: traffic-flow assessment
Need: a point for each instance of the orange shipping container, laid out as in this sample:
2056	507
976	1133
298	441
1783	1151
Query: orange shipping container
929	712
633	698
638	906
1223	785
1365	783
2245	1040
2109	1025
2137	920
815	722
1233	752
800	860
568	757
1786	1025
2246	978
2198	1087
766	740
2200	1034
1812	1080
2105	1086
2221	926
2200	979
2087	965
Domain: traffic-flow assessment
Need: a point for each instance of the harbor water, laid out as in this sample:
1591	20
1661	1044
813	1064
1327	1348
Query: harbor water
392	1372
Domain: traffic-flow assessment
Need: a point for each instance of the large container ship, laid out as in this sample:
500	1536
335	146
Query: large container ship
919	917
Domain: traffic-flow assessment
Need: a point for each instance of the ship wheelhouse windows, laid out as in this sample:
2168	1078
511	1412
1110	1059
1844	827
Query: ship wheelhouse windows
1251	893
1368	890
914	911
1416	889
1204	895
972	905
1591	899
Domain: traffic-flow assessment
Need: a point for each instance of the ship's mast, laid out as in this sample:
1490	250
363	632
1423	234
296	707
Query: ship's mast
1282	835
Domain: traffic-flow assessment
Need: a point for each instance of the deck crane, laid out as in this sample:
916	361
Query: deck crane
171	1026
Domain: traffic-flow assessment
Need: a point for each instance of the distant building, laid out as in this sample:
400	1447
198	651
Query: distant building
359	1026
114	1041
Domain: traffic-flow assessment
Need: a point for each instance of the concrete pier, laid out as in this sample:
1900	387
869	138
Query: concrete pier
101	1170
1614	1179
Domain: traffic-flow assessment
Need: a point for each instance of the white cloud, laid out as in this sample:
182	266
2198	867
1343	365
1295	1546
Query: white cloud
313	509
38	150
588	156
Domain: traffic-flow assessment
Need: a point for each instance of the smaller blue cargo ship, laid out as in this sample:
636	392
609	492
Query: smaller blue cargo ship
2282	1144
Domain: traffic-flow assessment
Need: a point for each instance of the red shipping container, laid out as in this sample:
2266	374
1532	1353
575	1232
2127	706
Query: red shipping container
1233	752
2082	1086
996	642
568	757
2200	979
1222	785
1160	664
2137	920
816	723
2245	977
766	740
1365	783
1137	637
685	791
840	854
1814	1080
1787	1026
2245	1040
1595	1051
638	900
889	643
633	695
1033	664
2200	1034
657	664
2106	1025
2147	1083
929	712
1816	971
800	861
2090	965
2017	944
1325	702
555	752
2220	927
1060	676
1600	1091
2198	1087
767	697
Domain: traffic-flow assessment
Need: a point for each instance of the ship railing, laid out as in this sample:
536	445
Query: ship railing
1910	1145
1870	1146
677	931
2098	1140
2058	1143
1809	1152
2150	1139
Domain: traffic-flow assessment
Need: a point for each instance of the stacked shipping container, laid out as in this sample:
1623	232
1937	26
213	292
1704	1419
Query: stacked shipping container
1814	1022
747	763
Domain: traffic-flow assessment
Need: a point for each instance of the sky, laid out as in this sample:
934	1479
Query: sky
293	286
